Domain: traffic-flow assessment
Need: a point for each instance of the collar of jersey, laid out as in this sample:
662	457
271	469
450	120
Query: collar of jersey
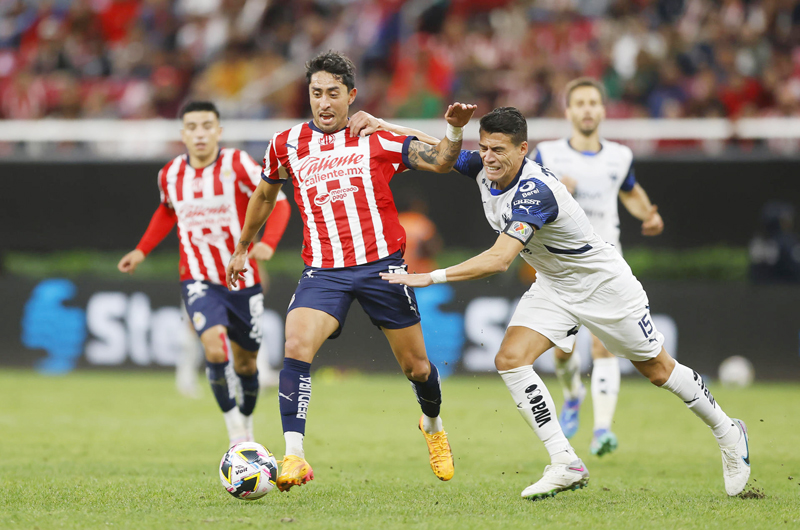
317	129
496	192
586	153
219	152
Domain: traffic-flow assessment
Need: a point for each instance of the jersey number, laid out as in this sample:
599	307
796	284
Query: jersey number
646	325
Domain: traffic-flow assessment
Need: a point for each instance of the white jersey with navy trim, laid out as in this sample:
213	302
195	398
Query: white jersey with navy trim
599	178
569	258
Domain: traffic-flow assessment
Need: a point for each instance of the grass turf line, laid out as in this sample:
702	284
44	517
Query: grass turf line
123	450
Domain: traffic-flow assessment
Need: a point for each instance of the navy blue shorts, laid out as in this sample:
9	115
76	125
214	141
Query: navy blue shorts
390	306
209	304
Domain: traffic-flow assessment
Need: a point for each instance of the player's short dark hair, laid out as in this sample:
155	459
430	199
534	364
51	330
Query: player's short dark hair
335	63
586	81
199	106
506	120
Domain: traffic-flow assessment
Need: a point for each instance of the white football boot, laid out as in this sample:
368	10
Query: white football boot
736	461
557	478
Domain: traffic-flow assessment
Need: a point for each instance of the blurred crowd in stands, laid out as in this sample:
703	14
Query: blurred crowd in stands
142	58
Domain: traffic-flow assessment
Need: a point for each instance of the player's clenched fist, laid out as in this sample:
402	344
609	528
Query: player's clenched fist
236	268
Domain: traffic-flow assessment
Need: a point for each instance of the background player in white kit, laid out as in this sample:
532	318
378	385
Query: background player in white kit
596	172
581	280
205	193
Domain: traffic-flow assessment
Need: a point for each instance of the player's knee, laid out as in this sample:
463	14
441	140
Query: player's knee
298	347
215	353
417	371
245	366
508	360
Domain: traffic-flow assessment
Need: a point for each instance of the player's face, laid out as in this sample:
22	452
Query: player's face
586	109
501	158
330	101
201	132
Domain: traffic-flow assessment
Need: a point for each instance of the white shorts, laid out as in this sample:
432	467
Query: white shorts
618	314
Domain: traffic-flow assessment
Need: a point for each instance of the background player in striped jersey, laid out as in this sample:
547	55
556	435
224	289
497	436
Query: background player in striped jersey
581	280
596	172
205	193
351	233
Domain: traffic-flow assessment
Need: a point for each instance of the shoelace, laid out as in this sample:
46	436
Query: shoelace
441	449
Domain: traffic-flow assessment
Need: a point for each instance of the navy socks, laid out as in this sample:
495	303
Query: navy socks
219	385
429	393
294	394
250	389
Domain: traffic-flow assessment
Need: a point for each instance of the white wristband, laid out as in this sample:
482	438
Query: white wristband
454	134
439	276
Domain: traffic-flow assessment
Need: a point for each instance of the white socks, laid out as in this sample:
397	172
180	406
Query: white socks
536	406
568	373
294	444
432	425
605	389
688	385
237	429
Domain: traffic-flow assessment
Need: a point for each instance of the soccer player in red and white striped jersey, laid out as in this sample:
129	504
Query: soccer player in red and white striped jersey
351	234
206	193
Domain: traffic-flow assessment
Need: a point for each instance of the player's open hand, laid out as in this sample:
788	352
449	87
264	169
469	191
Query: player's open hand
654	225
412	280
130	261
459	114
236	268
363	124
261	252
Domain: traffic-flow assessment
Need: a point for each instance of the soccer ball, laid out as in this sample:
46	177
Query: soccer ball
248	471
736	371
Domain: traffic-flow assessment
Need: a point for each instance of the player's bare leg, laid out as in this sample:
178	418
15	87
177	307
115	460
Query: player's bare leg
306	330
520	348
663	371
409	349
605	389
568	374
246	370
218	353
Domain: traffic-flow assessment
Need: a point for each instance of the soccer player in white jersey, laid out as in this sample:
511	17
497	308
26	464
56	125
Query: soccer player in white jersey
596	172
205	193
351	234
581	280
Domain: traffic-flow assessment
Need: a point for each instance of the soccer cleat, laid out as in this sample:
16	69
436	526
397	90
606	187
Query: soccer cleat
295	471
736	461
569	414
603	442
557	478
440	454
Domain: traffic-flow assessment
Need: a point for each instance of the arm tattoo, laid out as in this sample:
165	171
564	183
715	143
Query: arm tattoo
444	154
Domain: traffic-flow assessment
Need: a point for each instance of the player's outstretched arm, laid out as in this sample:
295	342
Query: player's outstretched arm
494	260
261	204
638	204
161	224
441	158
363	124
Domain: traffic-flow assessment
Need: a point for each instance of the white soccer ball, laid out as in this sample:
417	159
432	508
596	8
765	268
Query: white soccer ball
248	471
736	371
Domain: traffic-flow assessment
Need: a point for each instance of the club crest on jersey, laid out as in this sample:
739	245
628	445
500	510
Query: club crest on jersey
326	139
227	175
521	229
334	195
199	320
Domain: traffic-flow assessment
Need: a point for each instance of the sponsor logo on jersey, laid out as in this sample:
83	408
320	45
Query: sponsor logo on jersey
216	240
526	201
523	209
314	169
335	195
529	186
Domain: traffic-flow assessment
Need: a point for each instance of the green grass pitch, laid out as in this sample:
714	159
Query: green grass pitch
123	450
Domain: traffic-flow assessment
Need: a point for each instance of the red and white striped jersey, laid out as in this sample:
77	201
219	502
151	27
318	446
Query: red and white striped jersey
342	189
210	205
